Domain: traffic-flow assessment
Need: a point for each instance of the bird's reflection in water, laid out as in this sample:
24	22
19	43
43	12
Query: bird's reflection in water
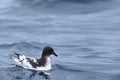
44	74
19	73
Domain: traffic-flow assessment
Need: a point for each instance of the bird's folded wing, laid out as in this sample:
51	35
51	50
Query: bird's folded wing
34	64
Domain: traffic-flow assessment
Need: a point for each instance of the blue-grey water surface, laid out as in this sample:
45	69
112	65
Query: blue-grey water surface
84	33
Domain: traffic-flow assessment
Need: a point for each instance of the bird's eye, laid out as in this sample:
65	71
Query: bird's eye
51	50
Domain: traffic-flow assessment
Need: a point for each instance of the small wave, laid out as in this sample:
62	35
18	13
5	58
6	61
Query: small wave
115	77
58	6
55	1
66	6
20	45
67	68
81	1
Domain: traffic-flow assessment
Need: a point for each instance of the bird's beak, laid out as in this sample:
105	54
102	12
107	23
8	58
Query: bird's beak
55	54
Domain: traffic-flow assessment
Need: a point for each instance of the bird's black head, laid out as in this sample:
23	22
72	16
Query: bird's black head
47	51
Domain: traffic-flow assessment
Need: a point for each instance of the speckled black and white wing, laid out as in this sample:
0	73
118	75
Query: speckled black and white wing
22	60
29	63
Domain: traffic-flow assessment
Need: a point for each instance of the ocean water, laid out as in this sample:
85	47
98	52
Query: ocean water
84	33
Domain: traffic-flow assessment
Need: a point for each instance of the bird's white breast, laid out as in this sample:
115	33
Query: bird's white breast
46	67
